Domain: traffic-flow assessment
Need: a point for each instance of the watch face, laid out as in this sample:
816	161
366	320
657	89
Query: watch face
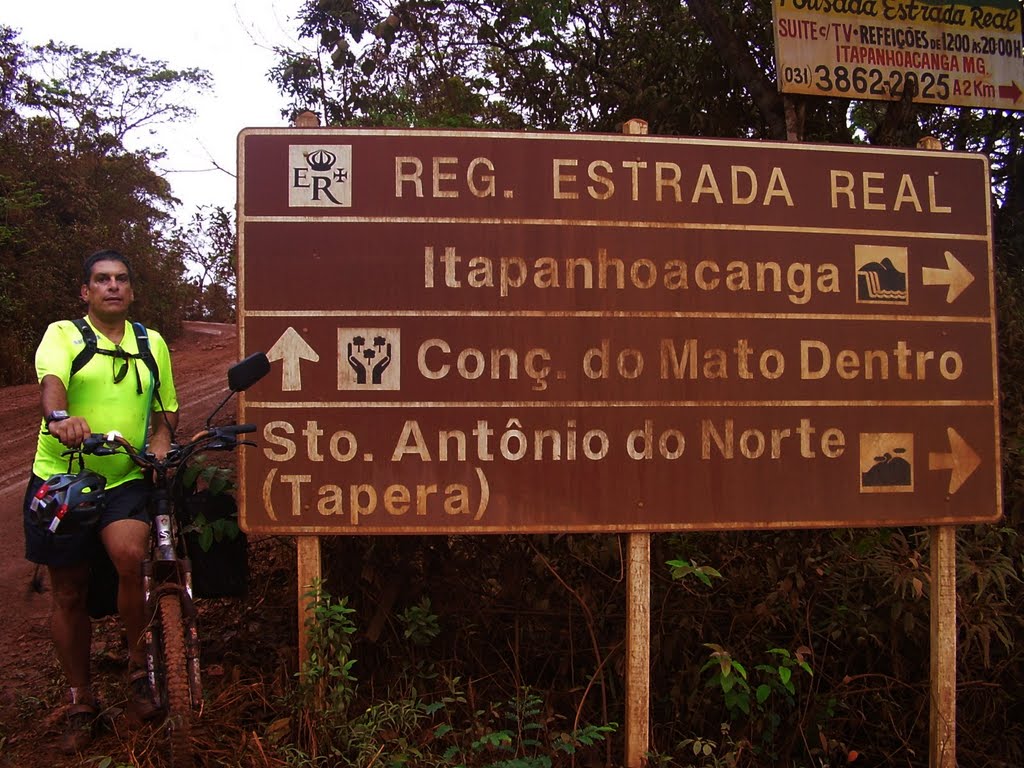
57	416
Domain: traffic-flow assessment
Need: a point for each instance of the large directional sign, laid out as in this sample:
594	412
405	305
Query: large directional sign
954	52
496	332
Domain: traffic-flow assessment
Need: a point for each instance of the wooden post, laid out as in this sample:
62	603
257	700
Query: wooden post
638	616
638	648
306	119
307	566
942	720
307	548
942	673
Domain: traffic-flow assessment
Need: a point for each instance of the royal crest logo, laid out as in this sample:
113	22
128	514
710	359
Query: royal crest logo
319	176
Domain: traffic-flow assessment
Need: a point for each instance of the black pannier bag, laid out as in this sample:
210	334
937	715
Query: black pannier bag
103	581
222	570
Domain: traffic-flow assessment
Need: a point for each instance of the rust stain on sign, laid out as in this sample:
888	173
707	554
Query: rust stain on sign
482	332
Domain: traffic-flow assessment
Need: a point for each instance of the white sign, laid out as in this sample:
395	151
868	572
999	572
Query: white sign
958	53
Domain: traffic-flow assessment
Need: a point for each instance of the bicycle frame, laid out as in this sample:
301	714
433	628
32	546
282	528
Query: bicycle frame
164	572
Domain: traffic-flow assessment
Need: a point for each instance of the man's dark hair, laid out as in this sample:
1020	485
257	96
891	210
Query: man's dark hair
104	255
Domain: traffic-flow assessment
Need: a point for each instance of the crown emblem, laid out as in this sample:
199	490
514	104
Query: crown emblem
320	175
321	160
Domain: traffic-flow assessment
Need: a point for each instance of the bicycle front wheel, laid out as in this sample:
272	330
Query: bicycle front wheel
175	692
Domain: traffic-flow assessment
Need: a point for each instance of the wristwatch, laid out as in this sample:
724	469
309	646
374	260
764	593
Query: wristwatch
55	416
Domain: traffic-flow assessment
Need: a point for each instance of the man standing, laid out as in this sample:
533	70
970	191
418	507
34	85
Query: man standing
116	386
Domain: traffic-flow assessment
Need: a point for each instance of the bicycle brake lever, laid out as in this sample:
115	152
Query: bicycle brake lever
97	445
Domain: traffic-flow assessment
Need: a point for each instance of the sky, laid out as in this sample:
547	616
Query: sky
232	39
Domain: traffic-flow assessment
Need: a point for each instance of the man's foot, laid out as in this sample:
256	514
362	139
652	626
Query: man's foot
141	705
81	722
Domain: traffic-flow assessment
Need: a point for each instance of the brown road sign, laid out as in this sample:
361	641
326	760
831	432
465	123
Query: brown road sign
497	332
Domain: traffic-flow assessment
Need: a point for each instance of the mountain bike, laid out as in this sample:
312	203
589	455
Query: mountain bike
172	636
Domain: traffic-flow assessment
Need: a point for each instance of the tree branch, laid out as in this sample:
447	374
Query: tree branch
737	57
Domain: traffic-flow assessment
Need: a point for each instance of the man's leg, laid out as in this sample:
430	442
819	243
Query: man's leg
69	623
72	636
126	542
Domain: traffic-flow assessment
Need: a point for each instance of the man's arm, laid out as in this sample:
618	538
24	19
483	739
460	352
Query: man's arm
54	397
164	424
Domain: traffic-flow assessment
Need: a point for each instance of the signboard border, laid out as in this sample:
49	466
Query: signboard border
313	134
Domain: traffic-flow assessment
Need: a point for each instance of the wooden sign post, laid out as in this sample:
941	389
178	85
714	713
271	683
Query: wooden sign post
942	667
638	617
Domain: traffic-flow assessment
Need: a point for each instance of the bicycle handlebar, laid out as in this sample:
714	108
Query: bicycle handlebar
237	429
223	438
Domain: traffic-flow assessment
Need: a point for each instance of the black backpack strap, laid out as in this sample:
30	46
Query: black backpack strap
89	337
145	354
92	347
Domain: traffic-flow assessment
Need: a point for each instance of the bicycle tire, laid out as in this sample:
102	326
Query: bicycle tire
175	669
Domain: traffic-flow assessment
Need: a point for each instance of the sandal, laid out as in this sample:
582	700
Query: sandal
141	704
81	724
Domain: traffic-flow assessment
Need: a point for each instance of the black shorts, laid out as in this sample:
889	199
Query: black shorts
123	502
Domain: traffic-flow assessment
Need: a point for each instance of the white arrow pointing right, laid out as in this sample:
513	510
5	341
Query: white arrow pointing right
956	276
961	459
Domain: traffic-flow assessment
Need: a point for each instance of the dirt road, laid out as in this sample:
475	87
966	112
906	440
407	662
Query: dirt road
200	359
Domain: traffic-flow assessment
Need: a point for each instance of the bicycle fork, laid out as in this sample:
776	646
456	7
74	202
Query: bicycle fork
172	576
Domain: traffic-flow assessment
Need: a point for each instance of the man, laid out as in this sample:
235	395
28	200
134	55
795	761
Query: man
114	390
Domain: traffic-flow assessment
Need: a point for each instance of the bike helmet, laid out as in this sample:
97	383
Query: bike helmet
69	502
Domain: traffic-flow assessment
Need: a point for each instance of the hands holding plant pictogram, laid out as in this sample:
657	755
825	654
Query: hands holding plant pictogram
357	348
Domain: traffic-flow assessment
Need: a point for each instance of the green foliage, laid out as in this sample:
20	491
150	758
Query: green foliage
208	247
214	531
705	752
730	677
516	735
201	475
69	186
859	599
773	695
529	633
328	667
422	717
326	686
107	762
420	624
584	65
682	569
100	94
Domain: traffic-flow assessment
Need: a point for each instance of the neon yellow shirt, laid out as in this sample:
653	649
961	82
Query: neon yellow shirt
93	395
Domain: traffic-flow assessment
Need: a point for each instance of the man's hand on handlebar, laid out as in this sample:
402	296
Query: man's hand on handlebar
159	446
162	456
70	431
104	445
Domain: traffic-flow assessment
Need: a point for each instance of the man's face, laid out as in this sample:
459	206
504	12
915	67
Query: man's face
109	291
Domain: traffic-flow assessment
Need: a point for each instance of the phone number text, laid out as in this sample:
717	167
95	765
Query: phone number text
863	81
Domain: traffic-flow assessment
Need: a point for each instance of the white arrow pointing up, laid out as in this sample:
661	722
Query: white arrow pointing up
961	459
956	276
291	348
